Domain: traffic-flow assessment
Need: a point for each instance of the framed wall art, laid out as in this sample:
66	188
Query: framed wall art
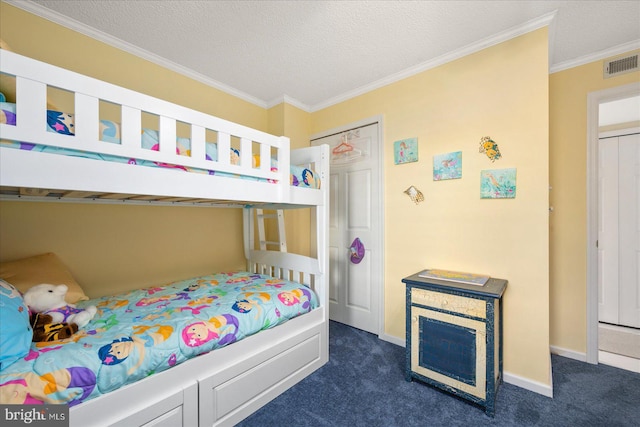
447	166
498	184
405	151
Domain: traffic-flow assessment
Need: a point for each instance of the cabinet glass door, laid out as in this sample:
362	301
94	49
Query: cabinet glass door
449	349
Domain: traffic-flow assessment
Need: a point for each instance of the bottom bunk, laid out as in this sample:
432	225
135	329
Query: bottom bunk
220	388
205	351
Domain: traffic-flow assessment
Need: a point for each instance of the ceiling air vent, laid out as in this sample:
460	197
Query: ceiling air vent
620	65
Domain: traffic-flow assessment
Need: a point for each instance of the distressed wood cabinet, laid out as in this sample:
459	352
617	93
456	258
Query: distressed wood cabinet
454	337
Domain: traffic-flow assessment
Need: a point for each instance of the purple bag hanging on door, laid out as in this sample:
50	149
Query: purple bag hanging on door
356	251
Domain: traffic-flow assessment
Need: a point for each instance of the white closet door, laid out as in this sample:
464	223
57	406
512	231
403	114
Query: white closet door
355	289
619	230
608	230
629	229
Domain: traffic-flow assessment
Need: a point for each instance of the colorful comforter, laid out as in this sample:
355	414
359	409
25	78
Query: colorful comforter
63	123
143	332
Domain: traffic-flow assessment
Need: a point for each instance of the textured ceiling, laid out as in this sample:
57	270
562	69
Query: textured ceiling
318	52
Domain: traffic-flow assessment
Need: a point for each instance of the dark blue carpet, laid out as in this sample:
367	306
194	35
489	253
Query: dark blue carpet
363	385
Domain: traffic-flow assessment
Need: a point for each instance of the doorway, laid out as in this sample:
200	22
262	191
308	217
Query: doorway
356	224
598	265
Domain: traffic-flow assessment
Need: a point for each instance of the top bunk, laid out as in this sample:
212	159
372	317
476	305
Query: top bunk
118	145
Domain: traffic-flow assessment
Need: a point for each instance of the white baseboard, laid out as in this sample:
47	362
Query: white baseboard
393	340
604	357
527	384
619	361
571	354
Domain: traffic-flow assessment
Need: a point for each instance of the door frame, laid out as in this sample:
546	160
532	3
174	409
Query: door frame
594	99
378	270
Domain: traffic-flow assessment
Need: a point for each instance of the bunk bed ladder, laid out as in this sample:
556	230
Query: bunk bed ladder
281	243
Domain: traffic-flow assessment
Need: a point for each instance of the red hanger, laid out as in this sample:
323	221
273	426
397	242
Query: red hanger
342	148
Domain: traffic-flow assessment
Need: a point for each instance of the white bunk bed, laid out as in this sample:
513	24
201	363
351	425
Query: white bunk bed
226	385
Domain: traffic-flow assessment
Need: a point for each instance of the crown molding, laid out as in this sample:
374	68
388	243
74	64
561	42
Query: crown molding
596	56
72	24
288	100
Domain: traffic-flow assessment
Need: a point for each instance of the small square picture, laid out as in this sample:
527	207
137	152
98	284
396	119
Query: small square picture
498	184
447	166
405	151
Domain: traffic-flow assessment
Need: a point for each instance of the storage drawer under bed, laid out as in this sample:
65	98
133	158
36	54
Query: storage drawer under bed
225	396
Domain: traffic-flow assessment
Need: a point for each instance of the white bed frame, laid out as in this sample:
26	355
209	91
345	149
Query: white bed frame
225	386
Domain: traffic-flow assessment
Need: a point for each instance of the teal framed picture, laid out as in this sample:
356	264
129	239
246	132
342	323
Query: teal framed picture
498	184
447	166
405	151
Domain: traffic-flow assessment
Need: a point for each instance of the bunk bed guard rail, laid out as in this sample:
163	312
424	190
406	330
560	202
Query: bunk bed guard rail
32	78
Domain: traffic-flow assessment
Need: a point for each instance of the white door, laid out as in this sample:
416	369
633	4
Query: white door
619	230
355	288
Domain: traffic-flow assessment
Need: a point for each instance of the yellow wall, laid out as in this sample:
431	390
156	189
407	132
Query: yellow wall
568	178
130	250
113	248
501	91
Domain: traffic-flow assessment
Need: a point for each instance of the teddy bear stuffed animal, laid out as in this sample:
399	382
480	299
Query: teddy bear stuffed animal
49	299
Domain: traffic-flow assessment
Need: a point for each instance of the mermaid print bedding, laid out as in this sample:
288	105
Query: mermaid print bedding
143	332
63	123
